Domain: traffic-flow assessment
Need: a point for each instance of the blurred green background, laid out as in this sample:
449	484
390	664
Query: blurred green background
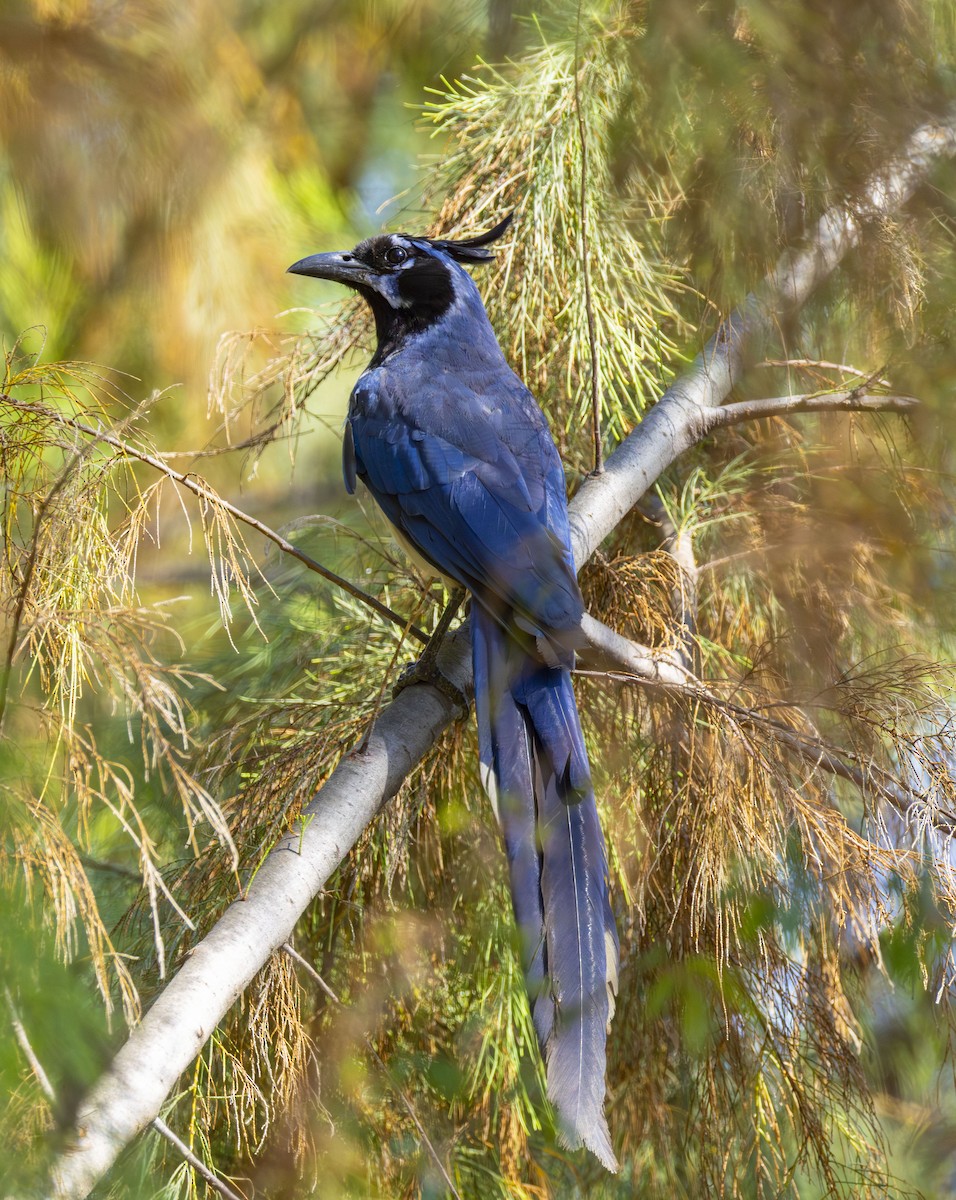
784	1025
162	164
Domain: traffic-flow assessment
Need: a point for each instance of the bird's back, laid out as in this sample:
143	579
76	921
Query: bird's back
443	420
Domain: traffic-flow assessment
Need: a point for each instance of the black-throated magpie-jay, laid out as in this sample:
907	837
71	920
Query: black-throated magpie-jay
459	457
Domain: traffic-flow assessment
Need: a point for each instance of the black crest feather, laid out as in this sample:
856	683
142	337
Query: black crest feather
472	250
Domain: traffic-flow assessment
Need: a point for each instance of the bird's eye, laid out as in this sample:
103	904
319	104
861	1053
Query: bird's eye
395	256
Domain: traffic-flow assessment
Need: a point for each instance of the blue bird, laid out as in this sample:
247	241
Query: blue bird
460	458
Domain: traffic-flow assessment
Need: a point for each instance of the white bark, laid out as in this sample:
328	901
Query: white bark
171	1034
131	1092
781	406
678	420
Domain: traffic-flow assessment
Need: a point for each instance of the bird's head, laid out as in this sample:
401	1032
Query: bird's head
408	281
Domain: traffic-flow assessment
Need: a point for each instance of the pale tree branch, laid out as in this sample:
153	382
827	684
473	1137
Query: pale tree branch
815	402
157	1123
131	1091
678	420
608	650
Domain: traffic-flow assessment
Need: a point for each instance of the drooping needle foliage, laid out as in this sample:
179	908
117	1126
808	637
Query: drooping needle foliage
779	833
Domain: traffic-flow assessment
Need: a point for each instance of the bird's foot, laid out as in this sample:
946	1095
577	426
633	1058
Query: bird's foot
426	668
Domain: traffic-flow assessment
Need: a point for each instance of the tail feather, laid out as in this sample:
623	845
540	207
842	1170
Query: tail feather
534	759
507	765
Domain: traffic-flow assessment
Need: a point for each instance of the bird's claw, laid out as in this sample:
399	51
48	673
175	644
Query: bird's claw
426	670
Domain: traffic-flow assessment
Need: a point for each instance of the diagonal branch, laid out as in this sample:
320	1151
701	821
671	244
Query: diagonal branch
158	1124
197	1164
679	419
130	1093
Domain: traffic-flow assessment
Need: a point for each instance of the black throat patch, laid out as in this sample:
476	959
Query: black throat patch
416	296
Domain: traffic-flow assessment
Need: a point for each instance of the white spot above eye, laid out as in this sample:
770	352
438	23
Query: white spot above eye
398	243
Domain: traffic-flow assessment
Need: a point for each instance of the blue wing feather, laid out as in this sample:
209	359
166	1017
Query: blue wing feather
474	520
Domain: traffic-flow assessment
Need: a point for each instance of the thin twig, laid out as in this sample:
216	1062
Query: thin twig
585	262
199	489
835	760
20	1033
307	966
409	1107
99	864
196	1163
823	365
811	402
639	665
42	513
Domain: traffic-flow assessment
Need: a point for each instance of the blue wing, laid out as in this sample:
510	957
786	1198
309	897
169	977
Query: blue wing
479	493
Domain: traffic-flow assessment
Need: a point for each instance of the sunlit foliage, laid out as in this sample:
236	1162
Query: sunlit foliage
778	913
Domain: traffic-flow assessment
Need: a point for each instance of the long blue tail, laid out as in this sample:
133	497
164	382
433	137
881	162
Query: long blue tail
535	769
